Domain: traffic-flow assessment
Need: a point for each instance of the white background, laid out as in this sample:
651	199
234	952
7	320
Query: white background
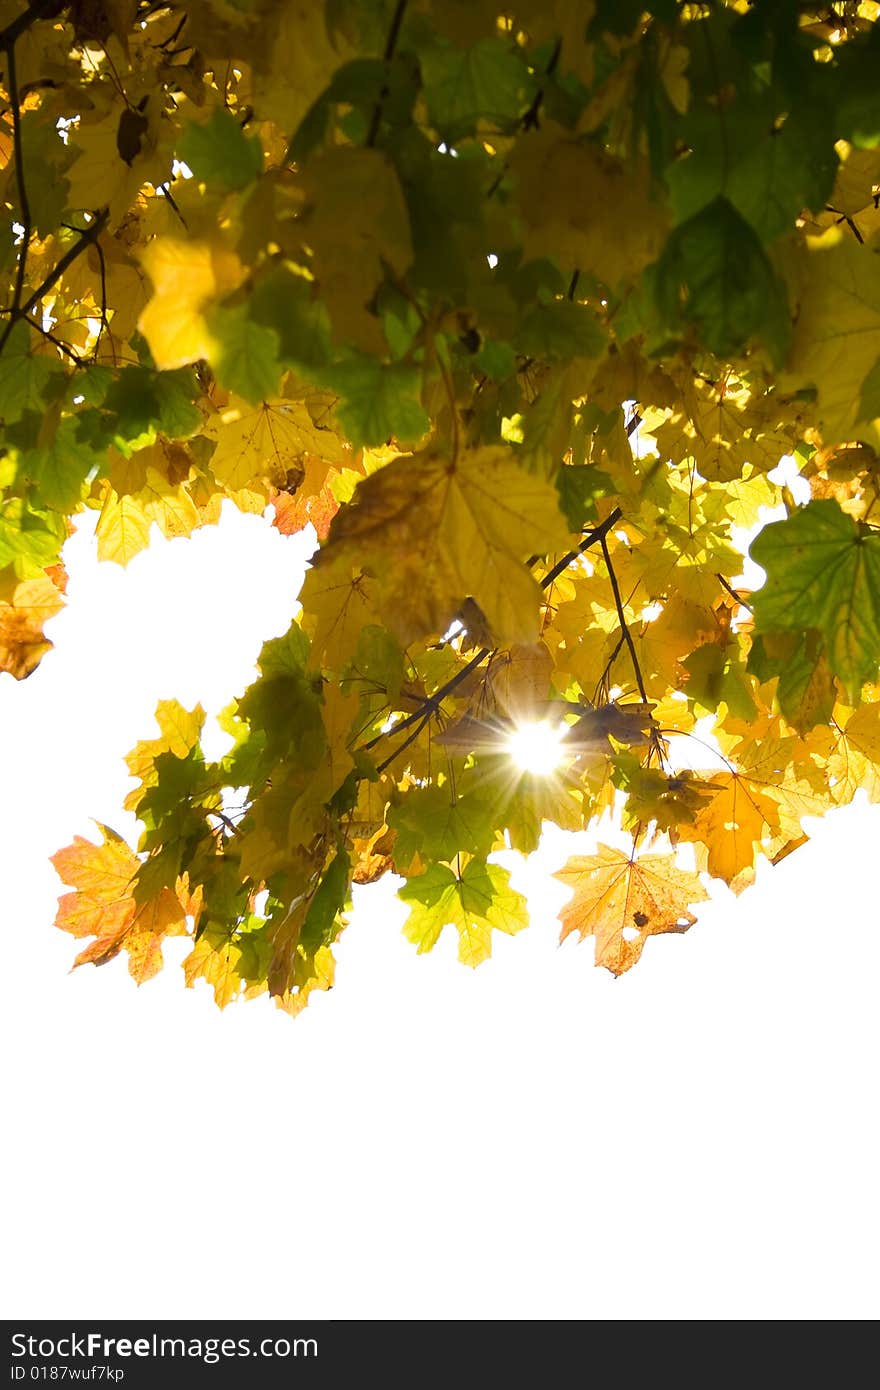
697	1140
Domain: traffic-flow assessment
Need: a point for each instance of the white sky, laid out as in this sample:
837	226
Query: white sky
697	1140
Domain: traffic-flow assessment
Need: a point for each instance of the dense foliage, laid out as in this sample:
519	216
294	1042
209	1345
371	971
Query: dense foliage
520	306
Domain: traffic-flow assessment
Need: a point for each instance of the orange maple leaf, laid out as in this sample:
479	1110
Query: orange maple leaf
103	905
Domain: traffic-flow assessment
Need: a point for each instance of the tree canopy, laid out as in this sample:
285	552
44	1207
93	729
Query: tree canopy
520	306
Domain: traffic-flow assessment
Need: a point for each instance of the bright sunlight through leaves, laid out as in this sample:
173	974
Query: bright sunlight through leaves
536	746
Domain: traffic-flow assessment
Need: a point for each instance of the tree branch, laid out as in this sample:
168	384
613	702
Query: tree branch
57	342
18	290
89	235
433	702
104	323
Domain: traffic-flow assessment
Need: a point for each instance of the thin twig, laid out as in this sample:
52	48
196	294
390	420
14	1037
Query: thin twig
390	46
597	533
89	235
618	603
104	324
411	738
169	197
733	594
433	702
58	343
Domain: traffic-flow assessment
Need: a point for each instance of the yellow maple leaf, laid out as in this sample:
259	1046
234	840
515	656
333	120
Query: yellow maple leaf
122	529
433	531
350	255
311	974
187	276
853	193
562	180
179	732
25	607
118	155
151	485
272	442
217	965
678	629
338	601
731	826
172	508
519	680
621	901
836	339
854	755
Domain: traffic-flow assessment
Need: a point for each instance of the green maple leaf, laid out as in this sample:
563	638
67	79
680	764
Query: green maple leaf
579	486
60	469
429	824
767	171
44	158
823	572
561	329
246	357
378	402
142	401
23	375
29	539
474	902
715	275
377	664
220	154
486	81
284	302
319	926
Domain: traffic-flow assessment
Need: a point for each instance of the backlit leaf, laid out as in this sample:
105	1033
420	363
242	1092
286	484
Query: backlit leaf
621	900
823	571
455	530
474	901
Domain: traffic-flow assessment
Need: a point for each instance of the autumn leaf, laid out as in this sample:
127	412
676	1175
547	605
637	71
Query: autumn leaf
187	276
451	536
24	608
561	178
836	340
473	901
621	900
534	319
103	906
273	442
731	824
179	731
